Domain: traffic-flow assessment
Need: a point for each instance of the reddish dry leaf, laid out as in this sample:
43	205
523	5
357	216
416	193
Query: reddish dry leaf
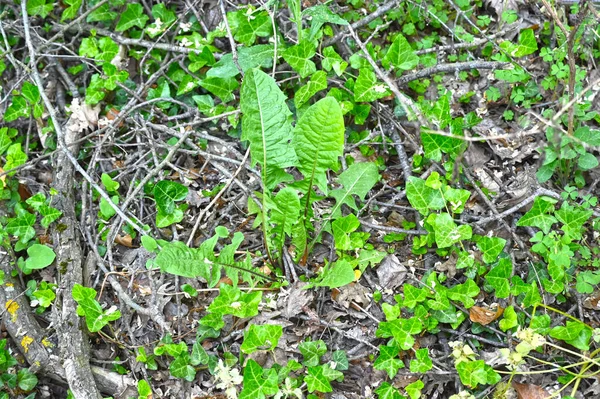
484	316
125	240
24	192
530	391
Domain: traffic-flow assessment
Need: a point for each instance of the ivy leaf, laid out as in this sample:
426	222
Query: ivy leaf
318	378
340	359
357	180
30	92
388	360
367	88
573	333
337	274
400	55
248	57
472	373
133	16
166	192
299	57
490	247
332	60
266	124
422	363
498	277
402	330
180	367
422	197
221	87
312	352
573	218
257	382
538	215
95	317
387	391
39	7
447	233
71	11
17	108
527	44
248	24
509	320
464	293
40	256
319	141
413	295
103	13
234	302
319	15
22	227
260	337
317	82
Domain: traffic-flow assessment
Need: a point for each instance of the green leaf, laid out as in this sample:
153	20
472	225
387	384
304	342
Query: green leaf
44	297
422	363
357	180
30	92
247	25
266	124
388	360
435	145
103	13
538	215
413	295
340	359
587	135
180	368
387	391
133	16
299	58
95	317
333	61
221	87
319	141
498	277
573	218
586	281
312	352
367	88
18	108
527	44
587	161
40	256
261	337
318	82
39	7
464	293
144	390
573	333
166	192
509	319
337	274
71	11
108	183
257	382
318	378
490	247
285	213
26	380
472	373
402	330
400	55
22	227
342	228
422	197
414	389
248	58
319	15
447	233
234	302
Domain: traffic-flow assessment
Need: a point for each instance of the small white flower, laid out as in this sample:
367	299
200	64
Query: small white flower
461	352
185	27
185	42
236	305
463	395
512	359
228	379
380	88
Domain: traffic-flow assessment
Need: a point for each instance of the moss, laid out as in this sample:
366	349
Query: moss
61	227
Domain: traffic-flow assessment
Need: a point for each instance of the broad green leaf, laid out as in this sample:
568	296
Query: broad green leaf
422	197
538	215
498	277
317	82
422	363
318	378
337	274
71	11
299	58
133	16
18	108
5	139
248	57
490	247
39	7
387	391
574	333
205	57
30	92
402	330
312	352
400	55
357	180
573	218
464	293
22	227
435	145
166	219
456	199
472	373
367	88
44	297
221	87
257	382
234	302
587	135
340	359
26	380
527	44
166	192
342	228
509	319
95	317
413	295
103	13
180	368
108	183
332	60
447	233
40	256
318	139
388	360
587	281
261	337
319	15
266	124
285	213
248	24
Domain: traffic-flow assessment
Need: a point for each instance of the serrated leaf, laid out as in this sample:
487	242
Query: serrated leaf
133	16
400	55
357	180
367	88
266	124
299	58
318	139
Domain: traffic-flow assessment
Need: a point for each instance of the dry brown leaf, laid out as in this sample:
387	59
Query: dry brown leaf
484	316
530	391
125	240
592	300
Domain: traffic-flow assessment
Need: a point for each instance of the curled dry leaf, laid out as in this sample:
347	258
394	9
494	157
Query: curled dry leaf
530	391
125	240
484	315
